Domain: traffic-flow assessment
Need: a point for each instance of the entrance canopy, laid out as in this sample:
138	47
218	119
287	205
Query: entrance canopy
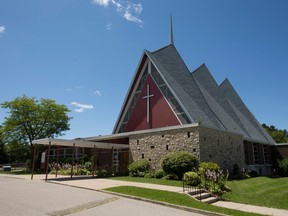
77	143
80	143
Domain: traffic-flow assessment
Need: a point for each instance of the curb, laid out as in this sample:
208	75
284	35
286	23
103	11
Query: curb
184	208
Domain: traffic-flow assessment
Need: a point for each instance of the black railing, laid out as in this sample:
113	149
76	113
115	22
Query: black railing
193	190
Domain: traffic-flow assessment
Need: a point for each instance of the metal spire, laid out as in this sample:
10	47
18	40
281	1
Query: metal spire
171	30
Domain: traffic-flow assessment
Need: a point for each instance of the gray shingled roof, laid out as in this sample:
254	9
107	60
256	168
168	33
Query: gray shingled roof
169	63
204	101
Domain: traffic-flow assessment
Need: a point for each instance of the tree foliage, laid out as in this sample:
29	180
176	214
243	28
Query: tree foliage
280	136
31	119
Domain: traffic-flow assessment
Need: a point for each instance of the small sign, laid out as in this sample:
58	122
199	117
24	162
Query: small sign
43	157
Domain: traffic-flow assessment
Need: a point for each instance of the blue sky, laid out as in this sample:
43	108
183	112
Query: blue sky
84	53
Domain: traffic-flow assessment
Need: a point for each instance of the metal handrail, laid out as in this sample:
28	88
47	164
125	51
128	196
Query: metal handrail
194	189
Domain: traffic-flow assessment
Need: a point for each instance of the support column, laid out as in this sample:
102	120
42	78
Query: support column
33	162
57	167
73	152
47	160
78	157
112	166
93	167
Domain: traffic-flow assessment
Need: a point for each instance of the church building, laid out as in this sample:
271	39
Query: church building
169	108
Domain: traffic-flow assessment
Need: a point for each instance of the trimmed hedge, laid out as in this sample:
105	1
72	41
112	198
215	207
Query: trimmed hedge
138	168
192	178
178	163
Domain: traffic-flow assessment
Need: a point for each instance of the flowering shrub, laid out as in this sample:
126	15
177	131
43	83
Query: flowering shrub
212	177
65	169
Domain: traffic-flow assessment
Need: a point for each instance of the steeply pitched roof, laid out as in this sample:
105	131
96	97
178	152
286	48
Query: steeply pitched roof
205	101
202	100
169	63
255	130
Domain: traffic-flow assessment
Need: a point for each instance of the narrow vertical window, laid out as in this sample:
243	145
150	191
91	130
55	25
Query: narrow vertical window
255	153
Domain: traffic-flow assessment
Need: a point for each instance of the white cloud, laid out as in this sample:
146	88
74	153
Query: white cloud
101	2
2	29
81	107
108	26
98	93
128	16
127	9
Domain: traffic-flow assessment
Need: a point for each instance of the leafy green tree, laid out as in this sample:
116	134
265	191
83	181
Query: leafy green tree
3	155
17	152
31	119
280	136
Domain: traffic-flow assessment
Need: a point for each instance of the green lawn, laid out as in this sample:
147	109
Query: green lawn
261	191
149	180
174	198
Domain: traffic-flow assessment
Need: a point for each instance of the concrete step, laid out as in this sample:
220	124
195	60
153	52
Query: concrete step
195	192
202	196
210	200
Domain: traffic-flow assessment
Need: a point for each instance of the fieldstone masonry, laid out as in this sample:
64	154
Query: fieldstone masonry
223	148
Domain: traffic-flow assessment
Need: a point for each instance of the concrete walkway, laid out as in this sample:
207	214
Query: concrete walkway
101	184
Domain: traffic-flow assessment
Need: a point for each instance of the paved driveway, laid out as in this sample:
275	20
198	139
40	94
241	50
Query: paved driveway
20	196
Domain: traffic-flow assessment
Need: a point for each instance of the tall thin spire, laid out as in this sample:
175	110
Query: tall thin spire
171	31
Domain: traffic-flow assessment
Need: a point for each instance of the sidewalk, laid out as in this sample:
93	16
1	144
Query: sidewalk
101	184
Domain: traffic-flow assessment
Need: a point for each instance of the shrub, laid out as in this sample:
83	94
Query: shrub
138	168
88	166
102	173
170	177
178	163
192	178
149	175
212	177
283	166
205	166
159	174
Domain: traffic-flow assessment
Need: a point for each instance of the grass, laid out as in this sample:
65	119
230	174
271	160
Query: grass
174	198
261	191
149	180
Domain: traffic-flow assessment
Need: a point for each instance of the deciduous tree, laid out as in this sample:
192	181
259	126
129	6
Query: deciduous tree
29	119
280	136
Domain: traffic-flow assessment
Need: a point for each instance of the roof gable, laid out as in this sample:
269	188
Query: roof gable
228	90
194	97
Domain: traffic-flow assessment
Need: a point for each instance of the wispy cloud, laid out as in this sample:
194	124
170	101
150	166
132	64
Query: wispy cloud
98	93
2	30
108	26
128	10
81	107
101	2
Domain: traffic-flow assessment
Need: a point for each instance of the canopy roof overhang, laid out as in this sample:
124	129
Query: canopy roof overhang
79	143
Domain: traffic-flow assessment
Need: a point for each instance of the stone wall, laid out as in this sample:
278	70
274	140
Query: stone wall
221	147
153	146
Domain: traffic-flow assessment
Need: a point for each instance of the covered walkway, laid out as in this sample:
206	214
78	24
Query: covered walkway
74	144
